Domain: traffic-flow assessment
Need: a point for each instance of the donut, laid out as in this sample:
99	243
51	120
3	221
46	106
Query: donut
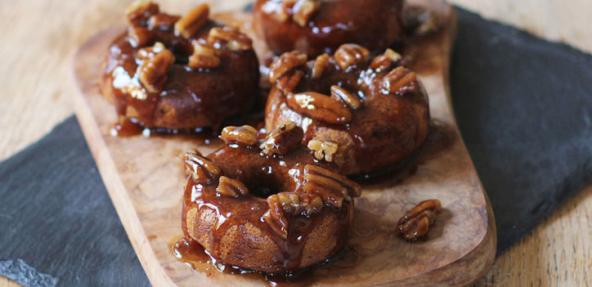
260	203
315	26
361	113
179	73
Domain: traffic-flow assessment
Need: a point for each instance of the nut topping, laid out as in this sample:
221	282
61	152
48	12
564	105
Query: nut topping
320	65
139	36
203	56
303	10
282	139
288	83
385	60
290	203
285	64
415	224
399	81
332	187
229	37
191	22
162	21
141	10
323	150
345	96
231	187
244	135
350	54
154	69
201	169
319	107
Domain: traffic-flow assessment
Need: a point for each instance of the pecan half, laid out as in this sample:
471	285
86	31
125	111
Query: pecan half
162	22
141	10
290	203
229	37
243	135
345	96
285	64
384	61
303	10
155	67
231	187
319	107
139	36
399	81
282	139
203	56
350	54
323	150
319	66
416	222
201	169
332	187
191	22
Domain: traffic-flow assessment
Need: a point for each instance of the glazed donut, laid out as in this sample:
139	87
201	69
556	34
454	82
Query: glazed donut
362	114
317	26
262	205
179	73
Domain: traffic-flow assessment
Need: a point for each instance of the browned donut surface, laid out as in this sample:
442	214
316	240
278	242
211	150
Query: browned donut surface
361	113
175	72
317	26
259	204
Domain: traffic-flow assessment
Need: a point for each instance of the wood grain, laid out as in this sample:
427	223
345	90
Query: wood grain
35	94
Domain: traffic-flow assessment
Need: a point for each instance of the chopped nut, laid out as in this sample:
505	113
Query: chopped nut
319	107
244	135
288	83
141	10
139	36
131	112
385	60
415	224
332	187
156	63
282	139
399	81
231	187
203	56
162	22
285	64
320	65
231	37
348	98
191	22
303	10
350	54
201	169
290	203
323	150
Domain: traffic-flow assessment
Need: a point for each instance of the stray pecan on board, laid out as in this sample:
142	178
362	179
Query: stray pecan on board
200	168
416	222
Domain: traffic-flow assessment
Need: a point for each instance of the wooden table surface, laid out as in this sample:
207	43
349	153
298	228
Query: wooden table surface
39	36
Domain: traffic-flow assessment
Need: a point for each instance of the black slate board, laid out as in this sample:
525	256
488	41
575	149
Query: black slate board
524	107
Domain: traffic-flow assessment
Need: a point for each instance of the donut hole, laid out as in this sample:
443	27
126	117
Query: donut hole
264	185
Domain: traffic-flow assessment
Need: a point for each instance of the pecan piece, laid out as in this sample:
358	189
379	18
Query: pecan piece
288	83
282	139
283	204
319	66
162	22
201	169
303	10
332	187
416	222
229	37
319	107
345	96
231	187
203	56
285	64
323	150
139	36
399	81
350	54
243	135
140	10
154	69
385	60
191	22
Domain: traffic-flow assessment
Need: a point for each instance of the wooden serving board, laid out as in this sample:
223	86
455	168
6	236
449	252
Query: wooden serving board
145	179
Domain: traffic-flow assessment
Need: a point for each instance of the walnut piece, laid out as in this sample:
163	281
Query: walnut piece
191	22
332	187
243	135
231	187
230	38
384	61
348	55
203	56
286	63
319	107
399	82
155	67
345	96
319	66
282	139
290	203
303	10
323	150
200	168
416	222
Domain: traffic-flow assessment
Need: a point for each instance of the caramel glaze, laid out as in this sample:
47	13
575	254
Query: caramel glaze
191	99
233	231
375	24
385	130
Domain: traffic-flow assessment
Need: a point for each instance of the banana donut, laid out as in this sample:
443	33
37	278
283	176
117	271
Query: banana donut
179	73
317	26
261	204
352	107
